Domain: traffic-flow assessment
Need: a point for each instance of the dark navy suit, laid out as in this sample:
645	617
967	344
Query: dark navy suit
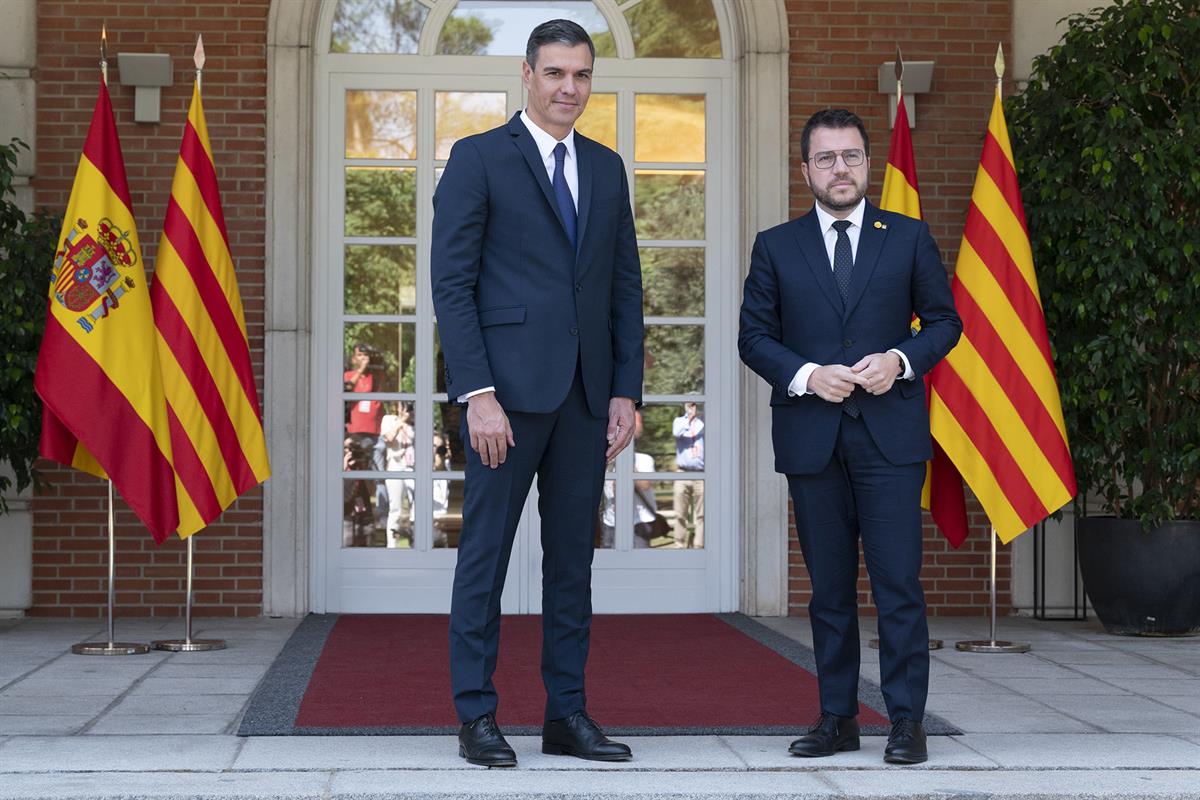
557	330
854	477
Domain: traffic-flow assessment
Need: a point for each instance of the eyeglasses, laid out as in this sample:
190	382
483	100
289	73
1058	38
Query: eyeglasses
827	158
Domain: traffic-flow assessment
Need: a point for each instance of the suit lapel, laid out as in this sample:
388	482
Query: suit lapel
583	156
870	244
524	142
812	245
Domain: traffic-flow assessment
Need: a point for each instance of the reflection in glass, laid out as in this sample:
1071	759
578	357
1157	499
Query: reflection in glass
606	532
449	449
381	279
669	127
381	201
459	114
501	27
672	281
381	124
447	511
599	120
390	349
673	437
683	501
364	519
674	29
377	26
674	359
669	204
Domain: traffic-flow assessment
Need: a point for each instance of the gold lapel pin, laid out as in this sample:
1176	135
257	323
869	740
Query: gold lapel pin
880	226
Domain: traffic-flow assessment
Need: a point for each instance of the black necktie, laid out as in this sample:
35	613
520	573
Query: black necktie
843	267
562	192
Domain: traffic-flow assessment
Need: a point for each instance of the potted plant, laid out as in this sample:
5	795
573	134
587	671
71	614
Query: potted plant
1107	146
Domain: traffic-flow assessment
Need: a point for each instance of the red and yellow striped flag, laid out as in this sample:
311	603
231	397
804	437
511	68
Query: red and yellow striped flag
97	371
216	426
995	406
942	493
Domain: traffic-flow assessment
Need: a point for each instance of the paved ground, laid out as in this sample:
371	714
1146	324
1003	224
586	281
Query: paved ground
1082	715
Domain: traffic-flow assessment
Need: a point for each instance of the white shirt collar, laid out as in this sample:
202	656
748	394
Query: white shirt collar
826	220
544	141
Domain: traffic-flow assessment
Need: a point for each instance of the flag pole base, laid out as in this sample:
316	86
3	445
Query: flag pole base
991	646
189	645
109	649
934	644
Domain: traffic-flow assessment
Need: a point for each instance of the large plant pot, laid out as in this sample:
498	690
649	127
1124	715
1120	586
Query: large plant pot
1142	583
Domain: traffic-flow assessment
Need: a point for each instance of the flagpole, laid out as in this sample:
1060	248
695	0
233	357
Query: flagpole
187	644
992	645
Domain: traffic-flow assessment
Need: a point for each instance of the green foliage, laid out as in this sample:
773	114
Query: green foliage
465	36
26	254
377	26
674	29
1108	152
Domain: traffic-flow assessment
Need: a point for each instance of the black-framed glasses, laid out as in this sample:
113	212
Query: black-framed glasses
827	158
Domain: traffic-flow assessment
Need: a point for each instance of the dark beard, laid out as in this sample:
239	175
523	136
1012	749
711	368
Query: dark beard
826	199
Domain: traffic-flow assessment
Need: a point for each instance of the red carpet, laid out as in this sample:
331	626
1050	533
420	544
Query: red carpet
677	673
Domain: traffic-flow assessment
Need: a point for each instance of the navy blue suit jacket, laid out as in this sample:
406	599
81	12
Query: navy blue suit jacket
792	313
516	305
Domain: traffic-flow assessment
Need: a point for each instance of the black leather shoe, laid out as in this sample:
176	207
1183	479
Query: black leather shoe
906	743
578	735
481	742
830	734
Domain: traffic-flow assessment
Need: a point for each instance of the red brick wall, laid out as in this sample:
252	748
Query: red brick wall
836	49
70	534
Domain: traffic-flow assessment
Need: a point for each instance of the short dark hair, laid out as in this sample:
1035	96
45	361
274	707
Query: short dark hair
556	31
833	118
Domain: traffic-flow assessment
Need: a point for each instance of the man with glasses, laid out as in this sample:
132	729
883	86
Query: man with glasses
826	318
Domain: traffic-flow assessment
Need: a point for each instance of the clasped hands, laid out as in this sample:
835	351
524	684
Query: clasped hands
874	373
491	433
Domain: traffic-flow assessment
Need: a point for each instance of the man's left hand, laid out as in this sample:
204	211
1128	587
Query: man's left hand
620	425
878	371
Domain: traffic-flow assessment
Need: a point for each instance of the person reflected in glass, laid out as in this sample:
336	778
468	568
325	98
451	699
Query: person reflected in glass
688	429
537	288
397	434
645	507
363	419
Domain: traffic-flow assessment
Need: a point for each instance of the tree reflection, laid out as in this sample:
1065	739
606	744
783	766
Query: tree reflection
377	26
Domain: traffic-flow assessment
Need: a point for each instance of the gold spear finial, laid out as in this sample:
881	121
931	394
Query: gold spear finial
104	51
899	67
999	62
198	57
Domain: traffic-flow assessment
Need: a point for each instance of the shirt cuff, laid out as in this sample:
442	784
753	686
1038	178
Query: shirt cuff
462	398
799	384
908	373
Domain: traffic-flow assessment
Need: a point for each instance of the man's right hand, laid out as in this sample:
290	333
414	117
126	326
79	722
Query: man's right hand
833	382
491	435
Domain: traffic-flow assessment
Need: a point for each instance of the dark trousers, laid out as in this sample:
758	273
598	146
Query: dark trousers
565	449
862	494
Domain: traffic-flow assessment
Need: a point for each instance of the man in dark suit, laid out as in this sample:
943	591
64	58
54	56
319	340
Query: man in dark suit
538	293
826	317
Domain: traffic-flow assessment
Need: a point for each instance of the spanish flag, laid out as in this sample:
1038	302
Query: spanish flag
942	493
215	423
97	371
995	407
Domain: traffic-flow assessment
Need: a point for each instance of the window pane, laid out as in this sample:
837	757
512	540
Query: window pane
389	348
501	27
671	439
364	513
599	120
381	279
460	114
674	359
606	531
447	511
377	26
381	201
669	127
669	204
449	449
682	503
672	281
674	29
381	124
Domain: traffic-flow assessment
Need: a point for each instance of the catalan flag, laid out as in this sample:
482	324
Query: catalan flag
216	426
995	407
97	371
942	493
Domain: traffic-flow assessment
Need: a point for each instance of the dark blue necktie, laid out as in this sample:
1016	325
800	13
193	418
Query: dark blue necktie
562	192
843	267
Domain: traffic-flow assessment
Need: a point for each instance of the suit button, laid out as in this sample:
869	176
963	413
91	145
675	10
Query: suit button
574	331
847	343
579	287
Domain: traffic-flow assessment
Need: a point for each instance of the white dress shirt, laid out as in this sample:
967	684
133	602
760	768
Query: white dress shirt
545	145
825	220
